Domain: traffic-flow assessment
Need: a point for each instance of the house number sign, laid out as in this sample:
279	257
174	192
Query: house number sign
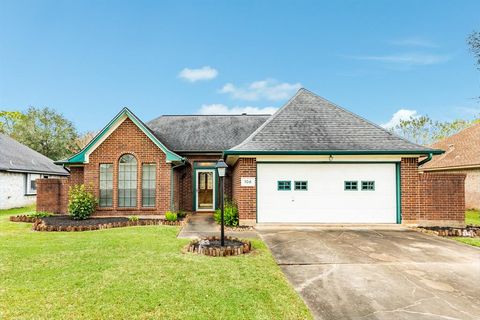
247	182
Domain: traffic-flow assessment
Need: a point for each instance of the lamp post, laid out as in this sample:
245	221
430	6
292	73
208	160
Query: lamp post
221	169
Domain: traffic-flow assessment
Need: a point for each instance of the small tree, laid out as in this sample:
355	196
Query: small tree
81	202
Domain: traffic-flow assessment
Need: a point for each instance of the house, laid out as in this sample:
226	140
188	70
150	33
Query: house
462	155
20	167
310	162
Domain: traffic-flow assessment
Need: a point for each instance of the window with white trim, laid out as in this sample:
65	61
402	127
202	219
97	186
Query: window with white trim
127	181
31	183
148	184
106	185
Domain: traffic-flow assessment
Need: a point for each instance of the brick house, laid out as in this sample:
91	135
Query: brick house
462	155
310	162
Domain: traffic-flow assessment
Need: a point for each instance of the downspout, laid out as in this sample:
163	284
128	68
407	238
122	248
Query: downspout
172	201
429	157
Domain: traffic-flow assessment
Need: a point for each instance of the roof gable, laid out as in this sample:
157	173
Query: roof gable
83	155
17	157
461	150
311	124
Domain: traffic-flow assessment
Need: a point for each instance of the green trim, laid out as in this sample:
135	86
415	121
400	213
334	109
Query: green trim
367	189
298	188
426	160
286	183
332	152
80	157
399	193
332	162
353	184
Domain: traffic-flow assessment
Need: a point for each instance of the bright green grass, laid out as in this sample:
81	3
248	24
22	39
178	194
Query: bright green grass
472	217
16	211
471	241
134	273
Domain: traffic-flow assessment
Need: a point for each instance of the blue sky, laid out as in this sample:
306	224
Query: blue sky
88	59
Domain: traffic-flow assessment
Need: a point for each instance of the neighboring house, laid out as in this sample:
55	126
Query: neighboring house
462	155
310	162
20	166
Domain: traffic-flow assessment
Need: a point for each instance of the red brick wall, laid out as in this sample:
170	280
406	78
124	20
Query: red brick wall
431	198
245	197
52	195
76	175
128	138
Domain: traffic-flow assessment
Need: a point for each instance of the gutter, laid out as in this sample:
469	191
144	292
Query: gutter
333	152
429	157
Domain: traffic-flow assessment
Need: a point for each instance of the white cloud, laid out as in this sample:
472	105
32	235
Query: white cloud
268	89
414	42
402	114
223	109
407	58
203	73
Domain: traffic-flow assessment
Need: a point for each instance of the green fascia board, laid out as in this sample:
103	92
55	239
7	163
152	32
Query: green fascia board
332	152
80	156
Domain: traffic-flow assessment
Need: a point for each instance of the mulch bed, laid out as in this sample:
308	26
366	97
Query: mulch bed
211	246
468	231
66	223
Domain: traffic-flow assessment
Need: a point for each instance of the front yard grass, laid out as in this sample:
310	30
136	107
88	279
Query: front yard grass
472	217
471	241
134	273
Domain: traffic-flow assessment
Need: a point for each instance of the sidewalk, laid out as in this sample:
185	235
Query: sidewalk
202	225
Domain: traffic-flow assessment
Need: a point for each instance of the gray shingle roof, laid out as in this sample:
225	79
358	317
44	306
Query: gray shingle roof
15	156
310	123
204	133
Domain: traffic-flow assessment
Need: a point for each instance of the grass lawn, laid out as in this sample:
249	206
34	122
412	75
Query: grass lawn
134	273
471	241
472	217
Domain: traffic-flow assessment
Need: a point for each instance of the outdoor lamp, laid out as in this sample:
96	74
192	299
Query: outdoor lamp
221	167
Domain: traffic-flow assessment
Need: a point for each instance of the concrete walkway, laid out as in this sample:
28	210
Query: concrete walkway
202	225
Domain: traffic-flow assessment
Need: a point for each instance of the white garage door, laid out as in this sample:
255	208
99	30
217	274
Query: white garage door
326	193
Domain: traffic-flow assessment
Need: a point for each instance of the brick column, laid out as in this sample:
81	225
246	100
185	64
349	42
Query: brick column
410	190
245	197
52	195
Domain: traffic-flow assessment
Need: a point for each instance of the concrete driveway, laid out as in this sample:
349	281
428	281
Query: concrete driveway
395	273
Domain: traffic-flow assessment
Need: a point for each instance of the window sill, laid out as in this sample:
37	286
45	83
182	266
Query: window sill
30	194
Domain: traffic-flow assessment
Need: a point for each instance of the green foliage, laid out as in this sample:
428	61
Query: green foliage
425	131
81	203
171	216
40	214
181	214
43	130
230	215
133	218
472	217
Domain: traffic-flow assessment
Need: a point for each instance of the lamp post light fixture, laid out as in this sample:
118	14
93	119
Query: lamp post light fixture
221	169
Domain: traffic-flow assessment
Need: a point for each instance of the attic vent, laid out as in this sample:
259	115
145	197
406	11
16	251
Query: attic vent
244	114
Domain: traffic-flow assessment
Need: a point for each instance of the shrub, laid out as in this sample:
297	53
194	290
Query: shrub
133	218
81	203
171	216
181	214
230	215
40	214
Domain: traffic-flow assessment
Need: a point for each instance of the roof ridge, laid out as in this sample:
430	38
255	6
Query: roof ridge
215	115
273	116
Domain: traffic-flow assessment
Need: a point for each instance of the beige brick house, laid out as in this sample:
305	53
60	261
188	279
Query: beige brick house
462	155
310	162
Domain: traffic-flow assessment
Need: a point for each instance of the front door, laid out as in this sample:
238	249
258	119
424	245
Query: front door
205	190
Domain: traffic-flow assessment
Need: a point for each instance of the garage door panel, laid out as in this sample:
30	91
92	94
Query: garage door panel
326	200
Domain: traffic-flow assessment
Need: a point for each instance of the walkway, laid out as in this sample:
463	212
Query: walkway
202	225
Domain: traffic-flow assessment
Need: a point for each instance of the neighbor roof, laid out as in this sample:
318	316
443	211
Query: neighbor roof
311	124
16	157
461	150
204	133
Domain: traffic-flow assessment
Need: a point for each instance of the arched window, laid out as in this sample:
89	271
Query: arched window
127	181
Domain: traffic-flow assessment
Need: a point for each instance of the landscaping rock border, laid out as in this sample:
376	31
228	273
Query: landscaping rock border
229	250
22	218
468	231
240	228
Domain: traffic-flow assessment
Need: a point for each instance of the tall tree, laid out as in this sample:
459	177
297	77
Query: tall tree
8	120
47	132
473	41
425	131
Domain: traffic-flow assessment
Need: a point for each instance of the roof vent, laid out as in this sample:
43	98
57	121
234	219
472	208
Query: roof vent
244	114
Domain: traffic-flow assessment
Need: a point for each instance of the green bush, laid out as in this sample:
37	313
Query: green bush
171	216
181	214
40	214
81	203
133	218
230	215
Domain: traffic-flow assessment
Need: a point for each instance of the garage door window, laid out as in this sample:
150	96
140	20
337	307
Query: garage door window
368	185
284	185
301	185
351	185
